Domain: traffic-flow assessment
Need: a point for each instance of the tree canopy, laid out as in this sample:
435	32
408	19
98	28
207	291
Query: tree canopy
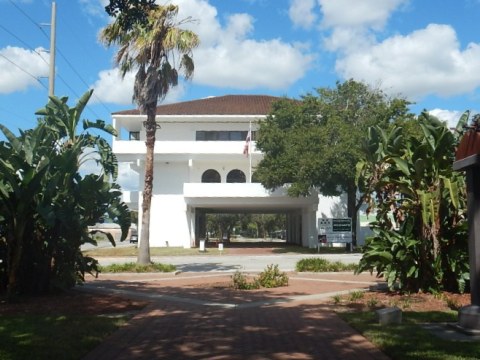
314	143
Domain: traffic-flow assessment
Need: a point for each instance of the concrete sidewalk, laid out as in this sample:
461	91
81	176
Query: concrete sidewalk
198	316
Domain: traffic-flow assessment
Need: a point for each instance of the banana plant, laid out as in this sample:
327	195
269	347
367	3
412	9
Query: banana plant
419	201
47	204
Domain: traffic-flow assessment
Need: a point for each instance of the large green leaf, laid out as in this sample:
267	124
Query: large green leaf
402	165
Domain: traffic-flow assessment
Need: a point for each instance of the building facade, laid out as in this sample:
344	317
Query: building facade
204	164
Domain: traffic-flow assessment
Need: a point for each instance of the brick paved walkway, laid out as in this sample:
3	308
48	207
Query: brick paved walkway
197	316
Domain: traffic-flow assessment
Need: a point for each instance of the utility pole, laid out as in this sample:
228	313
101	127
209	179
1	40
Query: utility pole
51	76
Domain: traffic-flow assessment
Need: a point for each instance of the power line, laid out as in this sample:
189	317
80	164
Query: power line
29	18
24	43
22	69
81	79
62	56
40	55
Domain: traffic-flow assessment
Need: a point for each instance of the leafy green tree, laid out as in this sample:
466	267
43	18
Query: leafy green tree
314	144
150	39
129	12
267	223
420	240
46	205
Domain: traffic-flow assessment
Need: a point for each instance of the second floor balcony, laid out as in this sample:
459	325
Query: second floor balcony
132	150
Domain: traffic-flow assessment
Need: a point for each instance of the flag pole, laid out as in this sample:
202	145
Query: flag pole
250	152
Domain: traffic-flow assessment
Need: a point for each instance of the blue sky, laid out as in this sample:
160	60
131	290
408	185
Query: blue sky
424	50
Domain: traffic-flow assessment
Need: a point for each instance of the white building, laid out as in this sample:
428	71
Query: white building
200	167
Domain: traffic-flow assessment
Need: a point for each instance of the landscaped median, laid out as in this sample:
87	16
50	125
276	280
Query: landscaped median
413	339
323	265
424	332
137	268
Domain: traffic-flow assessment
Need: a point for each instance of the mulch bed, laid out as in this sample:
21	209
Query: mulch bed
407	302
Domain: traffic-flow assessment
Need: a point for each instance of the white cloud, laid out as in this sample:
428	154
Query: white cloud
364	13
94	7
227	56
427	61
450	117
21	68
302	13
111	88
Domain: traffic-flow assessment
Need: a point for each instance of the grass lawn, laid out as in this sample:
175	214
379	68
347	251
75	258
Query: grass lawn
159	251
34	336
180	251
409	341
303	250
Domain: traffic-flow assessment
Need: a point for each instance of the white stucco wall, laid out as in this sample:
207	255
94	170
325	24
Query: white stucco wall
171	221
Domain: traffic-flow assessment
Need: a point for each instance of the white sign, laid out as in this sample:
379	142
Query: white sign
336	230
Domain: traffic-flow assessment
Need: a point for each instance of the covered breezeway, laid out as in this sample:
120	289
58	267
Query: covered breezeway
300	214
290	232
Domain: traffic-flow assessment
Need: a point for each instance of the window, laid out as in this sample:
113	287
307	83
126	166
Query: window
236	176
211	176
222	135
134	135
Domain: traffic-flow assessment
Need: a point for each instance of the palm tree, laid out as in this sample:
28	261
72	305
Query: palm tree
149	44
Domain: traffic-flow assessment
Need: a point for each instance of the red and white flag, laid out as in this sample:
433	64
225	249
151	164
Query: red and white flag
246	147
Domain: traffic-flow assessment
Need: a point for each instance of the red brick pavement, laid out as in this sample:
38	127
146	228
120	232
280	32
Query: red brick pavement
183	322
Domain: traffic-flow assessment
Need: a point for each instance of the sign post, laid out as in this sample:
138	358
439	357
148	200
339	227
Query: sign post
336	230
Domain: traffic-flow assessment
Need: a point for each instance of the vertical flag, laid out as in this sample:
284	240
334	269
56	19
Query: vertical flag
246	150
246	147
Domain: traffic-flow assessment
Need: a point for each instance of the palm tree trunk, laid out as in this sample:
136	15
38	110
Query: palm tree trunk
144	246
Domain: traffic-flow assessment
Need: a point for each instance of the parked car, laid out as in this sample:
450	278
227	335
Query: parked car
134	236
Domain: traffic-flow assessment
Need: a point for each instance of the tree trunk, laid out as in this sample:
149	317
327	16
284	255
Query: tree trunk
144	245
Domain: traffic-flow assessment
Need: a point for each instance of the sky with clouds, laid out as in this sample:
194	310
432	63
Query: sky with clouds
423	50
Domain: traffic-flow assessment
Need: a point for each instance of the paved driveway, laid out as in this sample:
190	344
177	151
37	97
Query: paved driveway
234	262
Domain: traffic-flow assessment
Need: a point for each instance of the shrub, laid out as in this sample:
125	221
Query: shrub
356	295
240	282
372	303
336	299
272	277
323	265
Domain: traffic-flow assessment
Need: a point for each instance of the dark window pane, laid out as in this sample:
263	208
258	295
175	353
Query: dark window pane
236	176
211	176
237	136
134	135
222	135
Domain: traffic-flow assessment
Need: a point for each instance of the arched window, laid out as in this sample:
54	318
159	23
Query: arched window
211	176
236	176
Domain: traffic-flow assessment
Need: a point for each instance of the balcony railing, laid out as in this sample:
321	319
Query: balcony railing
181	147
